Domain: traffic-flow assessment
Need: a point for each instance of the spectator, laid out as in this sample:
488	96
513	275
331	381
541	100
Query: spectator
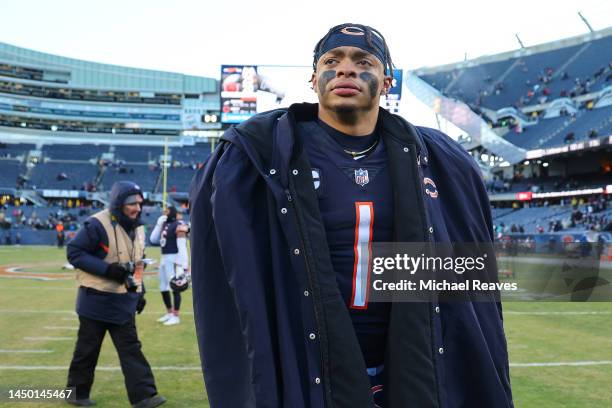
59	229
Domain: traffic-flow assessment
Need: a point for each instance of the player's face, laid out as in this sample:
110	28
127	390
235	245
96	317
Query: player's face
349	80
132	210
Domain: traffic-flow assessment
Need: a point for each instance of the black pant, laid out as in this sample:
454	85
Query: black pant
137	373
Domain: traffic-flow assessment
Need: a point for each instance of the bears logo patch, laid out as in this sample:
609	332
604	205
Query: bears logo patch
430	187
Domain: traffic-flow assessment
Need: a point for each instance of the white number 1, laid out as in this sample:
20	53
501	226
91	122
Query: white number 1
363	254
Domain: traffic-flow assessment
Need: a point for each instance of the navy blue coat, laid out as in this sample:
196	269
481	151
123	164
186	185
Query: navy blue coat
263	280
86	252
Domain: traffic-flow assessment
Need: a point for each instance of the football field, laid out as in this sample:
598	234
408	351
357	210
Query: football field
560	353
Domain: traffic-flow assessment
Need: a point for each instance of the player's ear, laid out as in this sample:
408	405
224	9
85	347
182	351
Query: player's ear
387	84
313	80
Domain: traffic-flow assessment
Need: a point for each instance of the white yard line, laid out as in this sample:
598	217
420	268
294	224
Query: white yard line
6	351
565	313
60	328
507	312
48	338
556	261
104	368
44	288
197	368
71	312
42	278
563	364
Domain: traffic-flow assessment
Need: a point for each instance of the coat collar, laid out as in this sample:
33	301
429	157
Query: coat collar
397	127
279	151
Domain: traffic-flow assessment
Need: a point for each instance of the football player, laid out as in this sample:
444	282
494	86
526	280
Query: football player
170	233
284	213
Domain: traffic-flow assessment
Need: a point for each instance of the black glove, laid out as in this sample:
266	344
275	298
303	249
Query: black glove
116	272
141	304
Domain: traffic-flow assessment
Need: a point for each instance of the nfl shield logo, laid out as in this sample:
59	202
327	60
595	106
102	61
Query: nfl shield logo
361	177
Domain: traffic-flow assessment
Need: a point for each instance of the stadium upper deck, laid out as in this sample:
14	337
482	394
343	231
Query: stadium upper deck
43	94
540	97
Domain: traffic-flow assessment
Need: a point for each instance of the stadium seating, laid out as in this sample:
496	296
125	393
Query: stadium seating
516	75
10	170
145	176
15	150
531	217
179	178
531	137
79	164
47	175
552	132
558	183
74	152
594	57
528	68
191	154
138	154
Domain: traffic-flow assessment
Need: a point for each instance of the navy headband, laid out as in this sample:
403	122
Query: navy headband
353	36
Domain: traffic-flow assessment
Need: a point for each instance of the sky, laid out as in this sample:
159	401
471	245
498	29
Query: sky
197	37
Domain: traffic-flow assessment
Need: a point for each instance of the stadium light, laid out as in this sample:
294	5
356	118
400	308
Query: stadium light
545	164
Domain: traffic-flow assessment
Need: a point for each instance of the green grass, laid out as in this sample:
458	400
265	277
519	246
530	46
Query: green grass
534	336
162	346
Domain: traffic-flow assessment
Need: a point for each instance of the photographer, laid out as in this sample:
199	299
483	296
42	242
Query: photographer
107	252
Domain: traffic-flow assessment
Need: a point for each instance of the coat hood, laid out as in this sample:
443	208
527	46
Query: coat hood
119	192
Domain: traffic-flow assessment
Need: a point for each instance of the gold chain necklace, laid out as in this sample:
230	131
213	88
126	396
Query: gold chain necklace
352	153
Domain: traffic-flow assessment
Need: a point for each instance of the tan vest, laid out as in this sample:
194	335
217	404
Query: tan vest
122	250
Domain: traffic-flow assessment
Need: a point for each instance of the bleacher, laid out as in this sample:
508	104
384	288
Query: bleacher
15	150
36	236
594	57
179	178
46	175
525	74
498	84
145	176
191	154
531	217
138	154
532	137
74	152
529	80
79	163
553	131
10	170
